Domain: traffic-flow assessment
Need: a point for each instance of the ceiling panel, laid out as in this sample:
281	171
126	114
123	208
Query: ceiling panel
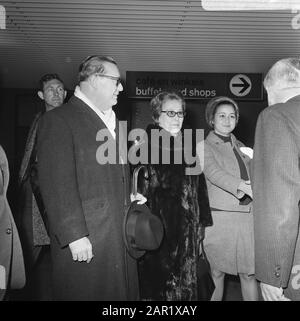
54	36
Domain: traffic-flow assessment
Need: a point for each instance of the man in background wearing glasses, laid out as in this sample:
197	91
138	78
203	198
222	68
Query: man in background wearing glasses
85	200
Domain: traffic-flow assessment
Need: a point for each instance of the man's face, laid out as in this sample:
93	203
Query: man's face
53	94
107	90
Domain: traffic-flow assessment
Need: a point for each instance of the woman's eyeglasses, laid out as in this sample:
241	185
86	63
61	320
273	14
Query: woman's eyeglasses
172	113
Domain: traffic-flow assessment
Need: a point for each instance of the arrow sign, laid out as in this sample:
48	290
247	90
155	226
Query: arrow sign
244	85
240	85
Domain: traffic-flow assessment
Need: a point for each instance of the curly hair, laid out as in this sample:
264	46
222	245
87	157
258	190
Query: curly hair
157	102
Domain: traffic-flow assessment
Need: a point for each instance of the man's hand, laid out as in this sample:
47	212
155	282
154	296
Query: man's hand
138	197
81	250
272	293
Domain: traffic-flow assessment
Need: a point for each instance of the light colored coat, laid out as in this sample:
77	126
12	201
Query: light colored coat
11	255
222	172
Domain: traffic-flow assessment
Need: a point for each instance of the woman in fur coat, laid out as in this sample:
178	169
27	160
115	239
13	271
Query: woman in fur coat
179	198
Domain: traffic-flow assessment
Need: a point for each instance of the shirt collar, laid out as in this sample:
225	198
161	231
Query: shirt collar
107	116
79	94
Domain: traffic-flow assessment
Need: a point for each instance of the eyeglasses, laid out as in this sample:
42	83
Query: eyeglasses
118	79
172	113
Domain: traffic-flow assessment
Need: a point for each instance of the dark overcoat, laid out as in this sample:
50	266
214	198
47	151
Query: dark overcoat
12	271
84	198
276	196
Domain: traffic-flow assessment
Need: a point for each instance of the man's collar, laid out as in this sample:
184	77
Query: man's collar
79	94
294	98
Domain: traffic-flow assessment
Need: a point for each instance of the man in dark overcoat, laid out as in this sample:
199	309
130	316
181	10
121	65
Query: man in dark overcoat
276	184
34	238
85	197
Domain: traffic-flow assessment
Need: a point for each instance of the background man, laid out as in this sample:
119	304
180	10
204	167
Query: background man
35	240
276	184
85	201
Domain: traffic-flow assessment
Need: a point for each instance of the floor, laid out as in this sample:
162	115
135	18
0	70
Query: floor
232	290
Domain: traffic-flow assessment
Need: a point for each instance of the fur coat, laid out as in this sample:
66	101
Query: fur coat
181	201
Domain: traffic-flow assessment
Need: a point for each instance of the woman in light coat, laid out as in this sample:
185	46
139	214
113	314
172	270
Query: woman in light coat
12	272
229	243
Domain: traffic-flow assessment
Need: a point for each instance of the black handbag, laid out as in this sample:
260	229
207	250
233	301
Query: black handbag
206	285
142	230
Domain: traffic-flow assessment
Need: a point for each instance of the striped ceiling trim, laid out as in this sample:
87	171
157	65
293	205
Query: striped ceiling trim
54	36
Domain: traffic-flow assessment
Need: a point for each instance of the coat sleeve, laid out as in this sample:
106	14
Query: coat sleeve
215	173
58	179
276	187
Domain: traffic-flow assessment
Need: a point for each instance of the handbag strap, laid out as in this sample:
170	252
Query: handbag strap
135	176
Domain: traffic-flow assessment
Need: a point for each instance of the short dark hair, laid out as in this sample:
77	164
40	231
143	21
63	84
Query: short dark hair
212	106
92	65
47	77
157	102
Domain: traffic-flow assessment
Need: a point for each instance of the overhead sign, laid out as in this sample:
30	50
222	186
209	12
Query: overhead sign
2	17
193	85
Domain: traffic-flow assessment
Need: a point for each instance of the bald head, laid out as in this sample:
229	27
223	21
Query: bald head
283	80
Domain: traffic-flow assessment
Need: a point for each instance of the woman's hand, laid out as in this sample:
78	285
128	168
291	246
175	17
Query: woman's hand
247	151
245	187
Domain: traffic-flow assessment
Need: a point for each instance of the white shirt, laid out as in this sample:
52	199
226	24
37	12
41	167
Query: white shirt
107	116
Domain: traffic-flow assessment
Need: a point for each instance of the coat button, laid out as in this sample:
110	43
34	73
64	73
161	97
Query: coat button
8	231
277	271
